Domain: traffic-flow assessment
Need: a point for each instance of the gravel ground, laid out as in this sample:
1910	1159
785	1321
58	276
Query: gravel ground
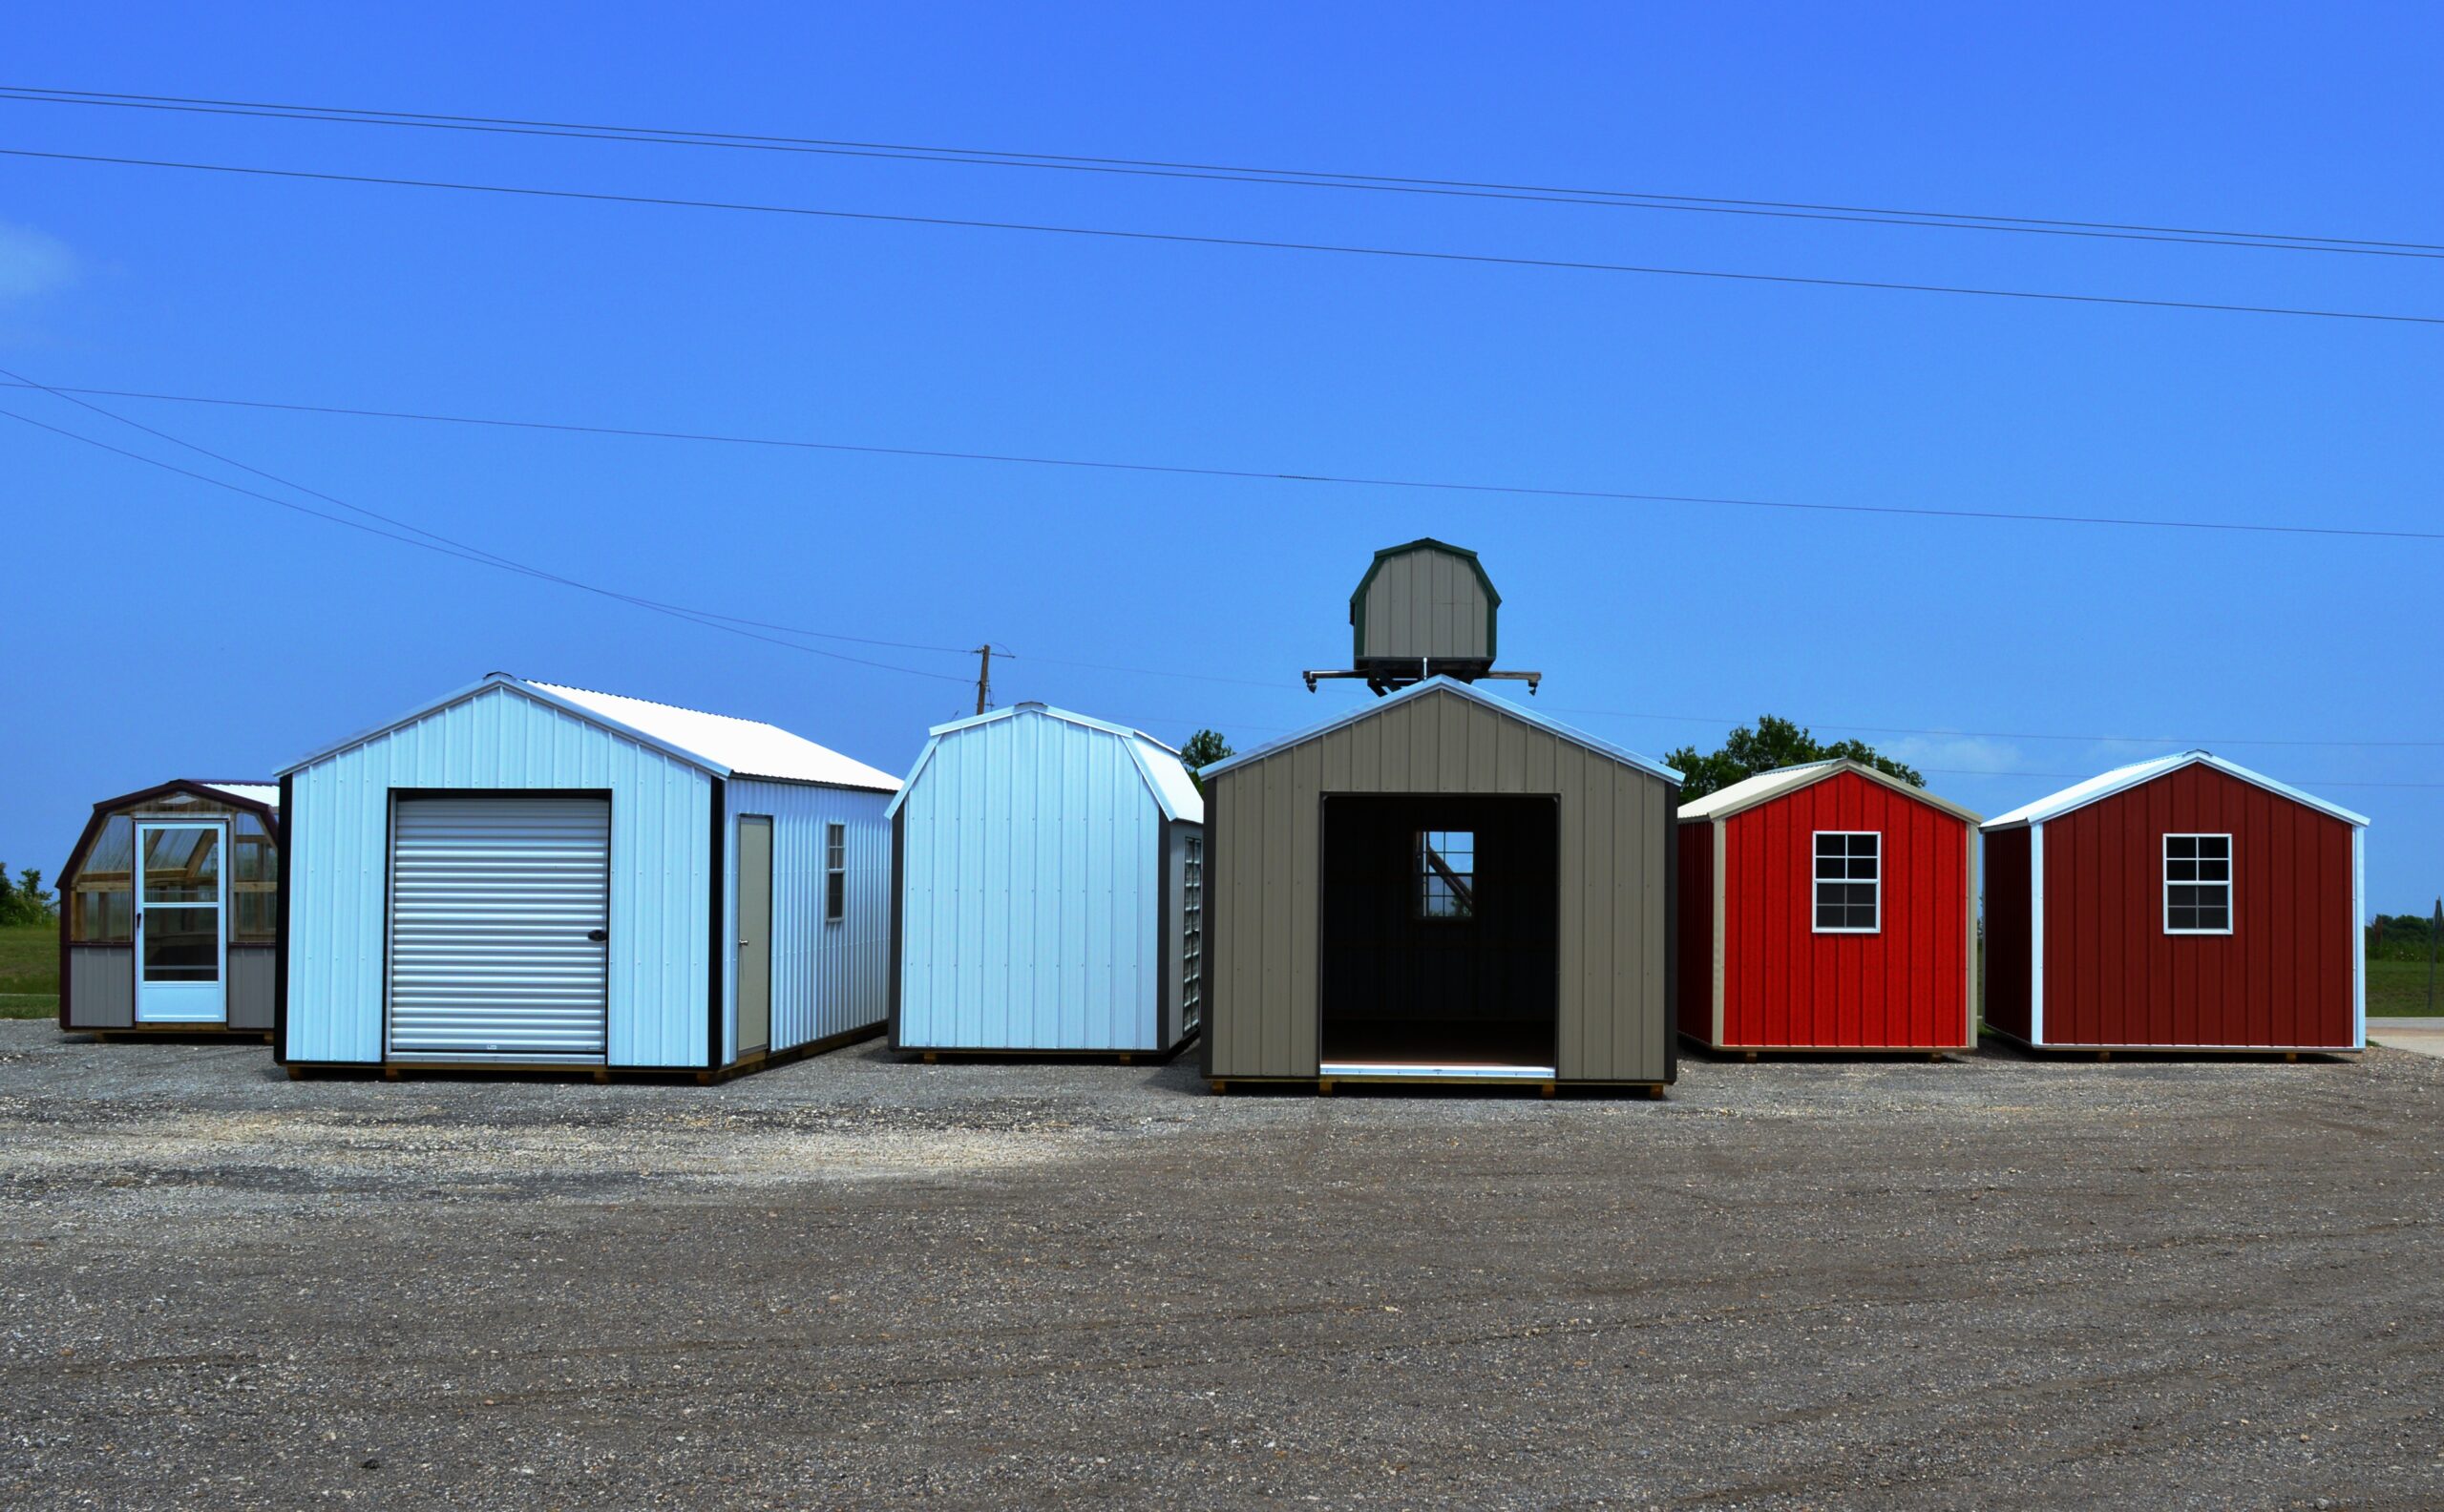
851	1282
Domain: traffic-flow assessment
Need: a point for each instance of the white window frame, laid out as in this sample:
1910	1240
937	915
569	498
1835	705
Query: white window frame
1816	904
2229	884
835	864
1464	897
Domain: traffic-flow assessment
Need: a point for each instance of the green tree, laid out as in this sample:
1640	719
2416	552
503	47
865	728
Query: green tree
25	901
1774	742
1204	749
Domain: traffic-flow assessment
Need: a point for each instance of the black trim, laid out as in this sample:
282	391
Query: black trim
1671	934
603	793
279	938
713	956
1167	897
898	908
1211	1018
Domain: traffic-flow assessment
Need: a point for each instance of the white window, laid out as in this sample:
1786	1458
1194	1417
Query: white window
1446	874
2198	883
1849	882
835	872
1192	935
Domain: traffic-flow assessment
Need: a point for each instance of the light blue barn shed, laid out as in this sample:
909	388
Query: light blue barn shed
1051	889
525	875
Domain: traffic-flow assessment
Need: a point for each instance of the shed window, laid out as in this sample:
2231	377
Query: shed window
102	899
1447	874
835	872
2198	883
1849	881
1192	935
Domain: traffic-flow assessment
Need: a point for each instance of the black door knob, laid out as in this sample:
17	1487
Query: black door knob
597	935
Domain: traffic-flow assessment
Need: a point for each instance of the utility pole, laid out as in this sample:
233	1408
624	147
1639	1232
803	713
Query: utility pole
984	676
2435	927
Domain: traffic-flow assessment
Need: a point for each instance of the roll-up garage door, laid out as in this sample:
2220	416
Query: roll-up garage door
499	911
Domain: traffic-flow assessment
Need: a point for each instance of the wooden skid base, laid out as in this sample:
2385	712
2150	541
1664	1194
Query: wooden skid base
195	1031
934	1055
1324	1086
760	1061
2235	1051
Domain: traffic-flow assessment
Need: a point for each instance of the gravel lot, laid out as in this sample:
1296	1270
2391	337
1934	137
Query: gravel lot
853	1282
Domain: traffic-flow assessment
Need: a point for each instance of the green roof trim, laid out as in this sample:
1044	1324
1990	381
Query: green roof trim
1357	624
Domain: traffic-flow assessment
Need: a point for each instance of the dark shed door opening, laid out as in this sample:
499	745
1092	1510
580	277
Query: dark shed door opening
1440	935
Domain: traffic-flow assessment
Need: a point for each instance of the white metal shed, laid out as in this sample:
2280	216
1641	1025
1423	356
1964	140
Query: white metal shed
1051	889
520	873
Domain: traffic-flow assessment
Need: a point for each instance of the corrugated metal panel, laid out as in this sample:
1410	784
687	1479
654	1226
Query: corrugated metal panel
2283	978
1030	892
1905	986
1425	602
1031	885
829	978
1615	1014
252	983
494	902
746	748
101	986
662	886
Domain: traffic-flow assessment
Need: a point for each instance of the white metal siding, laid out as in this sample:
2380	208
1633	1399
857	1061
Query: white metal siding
1031	894
662	884
826	978
492	905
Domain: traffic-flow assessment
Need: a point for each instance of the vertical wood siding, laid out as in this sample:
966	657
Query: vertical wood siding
660	870
1905	986
1425	603
826	978
2282	978
1264	821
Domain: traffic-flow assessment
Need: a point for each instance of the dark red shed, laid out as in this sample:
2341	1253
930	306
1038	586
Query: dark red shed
1827	907
2183	903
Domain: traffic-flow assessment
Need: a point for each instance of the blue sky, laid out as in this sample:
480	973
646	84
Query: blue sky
167	627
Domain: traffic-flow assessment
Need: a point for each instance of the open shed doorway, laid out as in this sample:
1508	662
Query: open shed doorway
1440	942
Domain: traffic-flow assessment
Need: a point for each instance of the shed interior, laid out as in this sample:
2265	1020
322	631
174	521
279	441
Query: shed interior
1440	939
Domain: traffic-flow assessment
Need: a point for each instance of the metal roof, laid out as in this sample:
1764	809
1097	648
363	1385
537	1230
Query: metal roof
266	793
2104	785
1474	695
717	743
1750	791
1165	777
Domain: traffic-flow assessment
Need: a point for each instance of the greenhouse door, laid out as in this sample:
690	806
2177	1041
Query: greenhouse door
499	924
180	974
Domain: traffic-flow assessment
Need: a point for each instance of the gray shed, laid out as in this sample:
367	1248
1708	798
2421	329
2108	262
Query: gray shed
1440	886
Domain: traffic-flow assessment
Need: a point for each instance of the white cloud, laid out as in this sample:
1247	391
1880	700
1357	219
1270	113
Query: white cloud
1955	753
31	263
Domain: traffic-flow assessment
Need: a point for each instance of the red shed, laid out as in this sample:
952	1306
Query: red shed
1827	907
2183	903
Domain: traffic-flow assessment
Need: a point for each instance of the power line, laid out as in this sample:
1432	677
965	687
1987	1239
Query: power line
1295	177
1253	474
443	545
1961	734
1186	238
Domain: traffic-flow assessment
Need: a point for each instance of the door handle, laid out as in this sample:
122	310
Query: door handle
597	935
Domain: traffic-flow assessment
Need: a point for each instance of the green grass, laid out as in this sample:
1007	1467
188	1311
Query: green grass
29	971
2398	989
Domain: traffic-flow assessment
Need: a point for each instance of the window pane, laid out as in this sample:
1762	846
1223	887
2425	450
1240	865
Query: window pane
1828	845
256	917
835	894
2215	916
2181	845
1863	917
182	944
2181	871
1863	868
182	866
2216	870
1828	915
2215	846
1865	845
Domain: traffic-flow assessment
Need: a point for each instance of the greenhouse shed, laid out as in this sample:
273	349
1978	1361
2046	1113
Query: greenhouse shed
184	941
1051	889
520	874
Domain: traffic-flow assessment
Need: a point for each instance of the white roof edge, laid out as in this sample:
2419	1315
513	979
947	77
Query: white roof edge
1466	690
2121	779
1724	802
518	685
1049	712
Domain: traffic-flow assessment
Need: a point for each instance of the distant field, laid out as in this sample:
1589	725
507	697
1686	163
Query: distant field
2399	987
28	971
